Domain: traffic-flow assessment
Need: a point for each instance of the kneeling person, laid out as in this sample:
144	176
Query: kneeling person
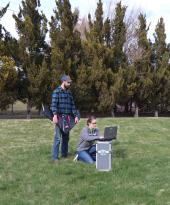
86	149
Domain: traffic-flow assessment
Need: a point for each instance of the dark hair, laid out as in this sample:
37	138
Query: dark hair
90	118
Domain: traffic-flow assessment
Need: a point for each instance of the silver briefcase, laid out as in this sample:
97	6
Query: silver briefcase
104	155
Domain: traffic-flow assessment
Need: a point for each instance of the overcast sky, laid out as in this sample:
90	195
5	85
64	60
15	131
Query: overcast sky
154	9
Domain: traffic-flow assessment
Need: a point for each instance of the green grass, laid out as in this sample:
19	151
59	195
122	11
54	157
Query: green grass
139	175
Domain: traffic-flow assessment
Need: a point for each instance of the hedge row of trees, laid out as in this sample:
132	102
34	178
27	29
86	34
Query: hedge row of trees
113	64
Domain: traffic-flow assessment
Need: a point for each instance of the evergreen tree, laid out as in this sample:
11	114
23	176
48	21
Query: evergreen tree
136	75
160	71
118	36
97	89
142	66
65	40
128	88
95	33
8	72
102	87
8	82
3	11
32	28
3	33
2	29
107	32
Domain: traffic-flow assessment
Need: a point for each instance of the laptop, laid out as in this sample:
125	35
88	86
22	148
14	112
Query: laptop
110	133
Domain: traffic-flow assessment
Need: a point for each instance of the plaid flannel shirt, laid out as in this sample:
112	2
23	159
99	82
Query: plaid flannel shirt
62	102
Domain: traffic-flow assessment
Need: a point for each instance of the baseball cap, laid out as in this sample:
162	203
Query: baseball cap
66	78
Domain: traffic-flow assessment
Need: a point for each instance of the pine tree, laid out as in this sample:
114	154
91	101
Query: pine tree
136	75
32	28
3	11
96	28
102	87
160	71
107	32
65	40
142	65
97	89
118	36
128	88
8	72
3	33
8	82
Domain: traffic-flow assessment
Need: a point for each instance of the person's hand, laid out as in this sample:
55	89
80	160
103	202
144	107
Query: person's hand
55	119
76	120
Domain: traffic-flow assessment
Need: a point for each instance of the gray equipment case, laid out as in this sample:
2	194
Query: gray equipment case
104	155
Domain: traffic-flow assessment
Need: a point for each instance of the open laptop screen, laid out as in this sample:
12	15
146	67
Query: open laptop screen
110	133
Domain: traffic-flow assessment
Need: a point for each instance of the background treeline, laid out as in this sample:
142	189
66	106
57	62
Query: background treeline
113	63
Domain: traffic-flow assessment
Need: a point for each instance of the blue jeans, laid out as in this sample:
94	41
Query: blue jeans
88	156
56	145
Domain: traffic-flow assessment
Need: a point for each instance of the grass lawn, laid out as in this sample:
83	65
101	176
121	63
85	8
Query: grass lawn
140	172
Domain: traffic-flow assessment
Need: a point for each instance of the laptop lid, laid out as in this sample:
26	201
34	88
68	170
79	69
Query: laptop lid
110	133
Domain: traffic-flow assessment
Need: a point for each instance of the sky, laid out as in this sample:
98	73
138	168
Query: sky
154	9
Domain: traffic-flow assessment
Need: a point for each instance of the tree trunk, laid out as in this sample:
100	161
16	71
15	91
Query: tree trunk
28	110
156	113
113	112
131	103
136	111
12	108
39	111
127	107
